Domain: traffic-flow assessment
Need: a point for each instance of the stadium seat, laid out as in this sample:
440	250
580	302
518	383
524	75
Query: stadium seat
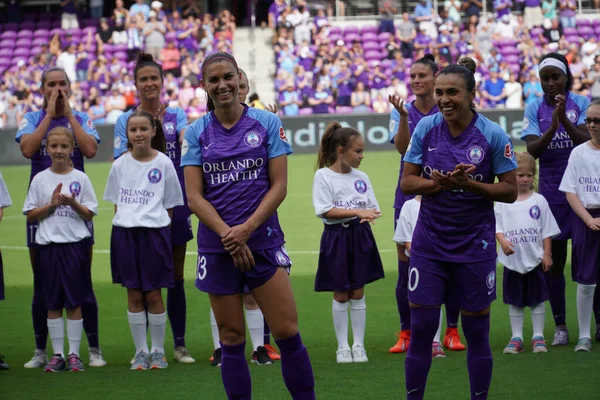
369	28
384	36
41	33
10	26
39	41
21	51
305	111
350	30
43	25
23	42
344	110
8	35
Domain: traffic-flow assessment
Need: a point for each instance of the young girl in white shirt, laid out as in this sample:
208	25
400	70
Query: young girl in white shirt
5	201
144	187
344	200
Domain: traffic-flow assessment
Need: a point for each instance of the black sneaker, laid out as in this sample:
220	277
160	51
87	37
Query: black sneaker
215	360
3	364
261	356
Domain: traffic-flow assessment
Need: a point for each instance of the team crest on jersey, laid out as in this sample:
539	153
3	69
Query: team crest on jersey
572	115
525	123
184	148
117	142
282	134
90	124
253	139
475	154
75	188
508	151
360	186
154	176
169	128
68	126
282	259
535	212
490	281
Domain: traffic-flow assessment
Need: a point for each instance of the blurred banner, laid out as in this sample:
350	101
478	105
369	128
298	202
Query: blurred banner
303	133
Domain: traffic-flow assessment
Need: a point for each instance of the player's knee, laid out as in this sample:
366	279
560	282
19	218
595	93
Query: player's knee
356	294
231	334
479	313
153	298
250	302
285	331
341	297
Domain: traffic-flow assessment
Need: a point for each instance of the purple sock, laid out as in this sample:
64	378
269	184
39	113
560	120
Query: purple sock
402	297
597	305
296	368
452	313
267	332
235	372
39	315
89	312
556	286
479	354
424	324
176	310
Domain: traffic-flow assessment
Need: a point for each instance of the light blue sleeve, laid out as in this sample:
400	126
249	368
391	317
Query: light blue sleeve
191	151
583	103
28	124
394	123
277	142
120	136
414	154
531	125
181	120
88	126
503	152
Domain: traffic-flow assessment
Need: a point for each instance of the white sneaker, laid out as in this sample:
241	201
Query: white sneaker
344	356
39	359
182	355
359	354
96	359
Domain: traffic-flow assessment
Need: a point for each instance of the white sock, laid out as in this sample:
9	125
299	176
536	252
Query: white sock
517	315
74	331
56	330
215	330
256	327
438	334
339	312
358	317
137	324
585	305
158	326
538	316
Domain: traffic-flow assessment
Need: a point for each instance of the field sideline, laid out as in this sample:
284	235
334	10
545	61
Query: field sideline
559	374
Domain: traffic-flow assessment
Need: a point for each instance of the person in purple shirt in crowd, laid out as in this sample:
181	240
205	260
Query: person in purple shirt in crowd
444	41
502	8
423	40
398	68
235	166
553	125
377	81
568	10
31	136
403	120
275	9
345	84
453	160
361	73
320	100
149	79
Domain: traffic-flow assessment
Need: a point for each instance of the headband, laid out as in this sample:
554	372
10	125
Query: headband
218	58
553	62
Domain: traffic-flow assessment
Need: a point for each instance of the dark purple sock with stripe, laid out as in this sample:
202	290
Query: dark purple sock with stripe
176	310
89	313
235	372
402	297
424	324
267	332
479	354
296	368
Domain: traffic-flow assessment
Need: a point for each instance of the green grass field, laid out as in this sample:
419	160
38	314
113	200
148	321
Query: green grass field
559	374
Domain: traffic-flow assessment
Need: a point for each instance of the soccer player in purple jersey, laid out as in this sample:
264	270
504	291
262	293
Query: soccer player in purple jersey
235	165
453	160
403	120
148	76
31	136
5	202
552	126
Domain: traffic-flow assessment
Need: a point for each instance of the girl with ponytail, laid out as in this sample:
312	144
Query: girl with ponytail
344	200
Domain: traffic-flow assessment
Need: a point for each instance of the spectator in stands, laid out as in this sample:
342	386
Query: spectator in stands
483	40
67	60
444	41
377	81
344	84
577	67
290	100
568	10
187	34
115	104
154	34
320	20
549	9
472	9
254	102
423	41
96	8
161	15
397	88
206	43
533	15
320	99
69	14
140	6
532	89
589	50
493	90
361	99
82	63
97	112
300	20
5	96
103	35
580	87
121	21
194	110
453	7
187	74
98	73
593	81
552	31
503	29
11	117
380	105
424	16
170	58
331	8
225	26
275	10
186	94
392	47
407	32
387	9
356	50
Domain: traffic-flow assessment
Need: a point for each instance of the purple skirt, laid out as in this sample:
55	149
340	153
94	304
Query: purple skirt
565	216
586	251
348	258
142	258
524	290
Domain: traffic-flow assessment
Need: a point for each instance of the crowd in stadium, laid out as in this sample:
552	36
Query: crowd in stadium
321	67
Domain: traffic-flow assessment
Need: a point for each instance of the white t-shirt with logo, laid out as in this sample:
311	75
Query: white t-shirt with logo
525	224
351	191
143	191
63	225
407	221
582	176
5	200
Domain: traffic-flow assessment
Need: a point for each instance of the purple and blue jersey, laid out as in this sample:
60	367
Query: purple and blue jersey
554	160
174	122
414	116
41	159
235	167
454	225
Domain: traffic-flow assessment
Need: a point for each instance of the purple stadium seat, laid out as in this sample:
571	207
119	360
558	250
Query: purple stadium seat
5	62
120	55
24	42
384	36
35	51
350	29
572	39
305	111
28	24
372	56
120	47
41	33
7	44
570	31
89	28
586	32
39	41
43	25
349	38
370	46
344	110
54	31
55	24
8	35
369	37
596	22
90	22
335	37
370	29
408	62
335	30
21	51
45	16
512	59
509	51
584	22
25	33
15	59
386	64
11	26
108	48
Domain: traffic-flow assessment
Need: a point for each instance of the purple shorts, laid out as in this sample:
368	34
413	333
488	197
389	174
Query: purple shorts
216	273
525	290
32	230
564	215
470	285
65	274
1	278
586	251
181	231
348	258
142	258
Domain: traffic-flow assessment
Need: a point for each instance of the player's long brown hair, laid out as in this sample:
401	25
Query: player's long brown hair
335	136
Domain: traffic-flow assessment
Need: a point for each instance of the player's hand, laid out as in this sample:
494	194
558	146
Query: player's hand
561	103
546	263
271	108
51	107
369	215
160	114
507	247
398	104
593	224
67	111
65	200
243	258
236	237
54	201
